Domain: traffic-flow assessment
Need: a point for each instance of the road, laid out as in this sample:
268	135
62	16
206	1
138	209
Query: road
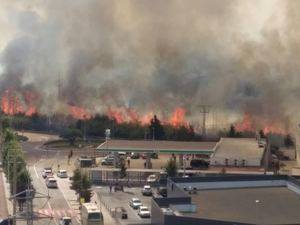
62	201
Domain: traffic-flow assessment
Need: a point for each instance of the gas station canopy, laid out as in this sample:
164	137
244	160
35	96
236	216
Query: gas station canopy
148	146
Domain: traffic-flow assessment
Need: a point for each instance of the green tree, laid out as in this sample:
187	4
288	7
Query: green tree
232	132
171	168
71	134
81	184
156	129
12	153
262	134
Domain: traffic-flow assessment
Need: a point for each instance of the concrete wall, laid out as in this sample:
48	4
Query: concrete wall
232	184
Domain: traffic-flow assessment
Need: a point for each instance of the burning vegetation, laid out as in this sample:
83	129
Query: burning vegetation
131	60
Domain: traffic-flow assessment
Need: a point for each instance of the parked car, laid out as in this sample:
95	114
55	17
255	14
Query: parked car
162	191
152	178
47	172
144	212
152	156
51	183
135	203
65	221
147	190
199	164
123	212
62	174
108	160
135	155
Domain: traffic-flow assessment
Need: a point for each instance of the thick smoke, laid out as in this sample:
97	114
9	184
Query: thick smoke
154	56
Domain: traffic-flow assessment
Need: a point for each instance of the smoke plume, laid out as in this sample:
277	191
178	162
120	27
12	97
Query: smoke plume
155	56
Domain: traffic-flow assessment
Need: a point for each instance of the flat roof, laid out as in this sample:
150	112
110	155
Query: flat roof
179	147
238	148
268	205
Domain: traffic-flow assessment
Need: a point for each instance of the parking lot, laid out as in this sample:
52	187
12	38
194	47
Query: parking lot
121	199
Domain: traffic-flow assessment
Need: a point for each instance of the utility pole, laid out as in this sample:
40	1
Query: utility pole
14	187
204	109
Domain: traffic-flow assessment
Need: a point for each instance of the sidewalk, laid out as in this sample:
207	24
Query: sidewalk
108	220
3	205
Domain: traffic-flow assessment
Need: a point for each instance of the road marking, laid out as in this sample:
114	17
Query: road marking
36	173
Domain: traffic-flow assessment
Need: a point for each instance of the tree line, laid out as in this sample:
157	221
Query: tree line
13	163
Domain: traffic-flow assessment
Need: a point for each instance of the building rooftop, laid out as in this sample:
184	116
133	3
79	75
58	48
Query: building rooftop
238	148
181	147
264	205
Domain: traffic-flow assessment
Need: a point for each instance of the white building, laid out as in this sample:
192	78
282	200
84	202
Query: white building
237	152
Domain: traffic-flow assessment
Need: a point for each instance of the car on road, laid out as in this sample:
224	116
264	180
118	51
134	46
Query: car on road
51	183
135	203
147	190
144	212
47	172
62	174
152	178
65	221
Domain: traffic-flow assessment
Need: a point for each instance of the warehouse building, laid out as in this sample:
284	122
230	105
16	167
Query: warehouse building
237	152
224	200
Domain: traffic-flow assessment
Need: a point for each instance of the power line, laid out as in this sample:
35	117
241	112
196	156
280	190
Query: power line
204	109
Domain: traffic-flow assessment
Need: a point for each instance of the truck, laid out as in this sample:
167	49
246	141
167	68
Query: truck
91	214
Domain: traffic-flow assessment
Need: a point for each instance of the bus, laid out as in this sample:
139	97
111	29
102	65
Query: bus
91	214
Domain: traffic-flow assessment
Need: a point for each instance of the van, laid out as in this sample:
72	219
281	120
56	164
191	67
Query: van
91	214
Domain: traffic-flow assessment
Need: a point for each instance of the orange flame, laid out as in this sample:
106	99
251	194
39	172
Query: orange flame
78	112
10	103
246	124
178	117
115	114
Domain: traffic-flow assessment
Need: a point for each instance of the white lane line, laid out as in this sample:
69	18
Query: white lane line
36	173
51	213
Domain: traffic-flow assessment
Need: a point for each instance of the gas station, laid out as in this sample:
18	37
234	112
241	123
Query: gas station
176	148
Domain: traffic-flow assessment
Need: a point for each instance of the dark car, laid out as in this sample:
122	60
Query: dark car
199	164
123	212
162	191
152	156
7	221
135	155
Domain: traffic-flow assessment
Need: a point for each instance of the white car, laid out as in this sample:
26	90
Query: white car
135	203
62	174
51	183
47	172
147	190
65	221
144	212
152	178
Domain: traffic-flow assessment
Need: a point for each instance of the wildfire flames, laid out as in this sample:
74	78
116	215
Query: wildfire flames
11	103
78	112
178	118
248	124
